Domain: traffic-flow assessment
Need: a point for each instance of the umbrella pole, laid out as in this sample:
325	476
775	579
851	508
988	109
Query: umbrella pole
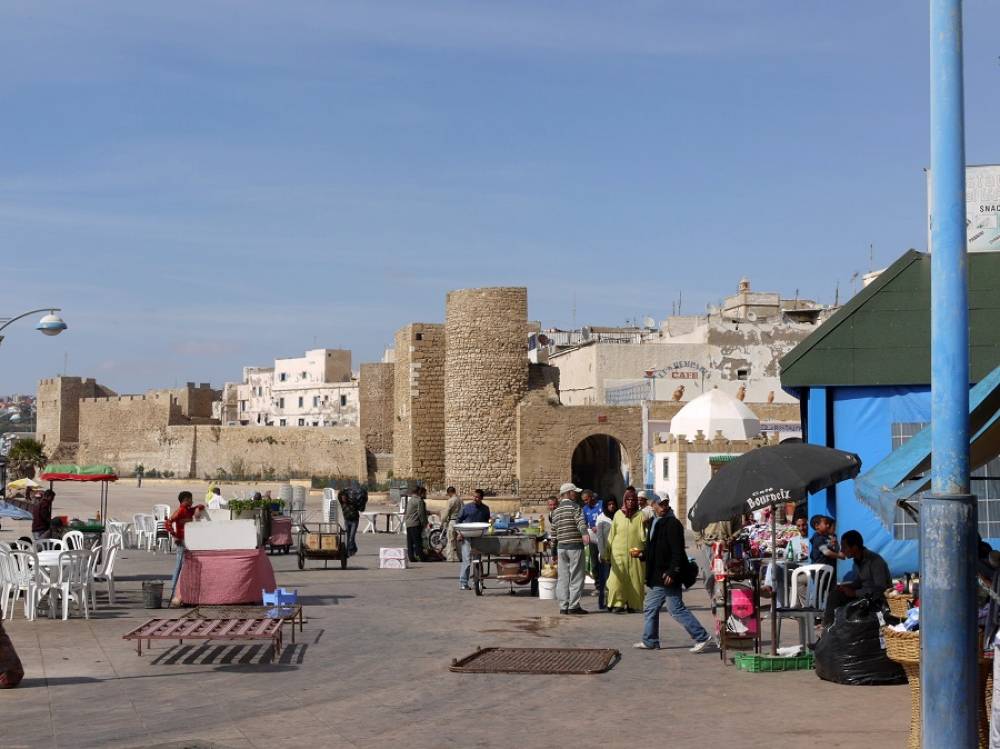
774	576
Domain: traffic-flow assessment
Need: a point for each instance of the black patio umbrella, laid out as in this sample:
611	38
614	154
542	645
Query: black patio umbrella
771	476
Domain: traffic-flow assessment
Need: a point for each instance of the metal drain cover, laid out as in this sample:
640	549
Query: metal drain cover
537	661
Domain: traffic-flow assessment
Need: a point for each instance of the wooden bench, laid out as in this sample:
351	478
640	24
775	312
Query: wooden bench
208	629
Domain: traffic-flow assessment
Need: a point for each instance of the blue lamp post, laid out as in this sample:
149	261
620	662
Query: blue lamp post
948	658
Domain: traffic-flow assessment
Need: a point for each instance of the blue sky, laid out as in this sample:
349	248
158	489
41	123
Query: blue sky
206	185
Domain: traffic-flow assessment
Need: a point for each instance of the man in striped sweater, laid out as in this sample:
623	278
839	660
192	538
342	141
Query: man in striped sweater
568	533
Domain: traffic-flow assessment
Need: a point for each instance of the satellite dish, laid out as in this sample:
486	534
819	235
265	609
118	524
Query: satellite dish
585	331
752	316
543	340
649	322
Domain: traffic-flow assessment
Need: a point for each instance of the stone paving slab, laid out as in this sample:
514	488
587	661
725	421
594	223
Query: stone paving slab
371	670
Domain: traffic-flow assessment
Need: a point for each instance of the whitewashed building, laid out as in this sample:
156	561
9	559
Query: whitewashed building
316	390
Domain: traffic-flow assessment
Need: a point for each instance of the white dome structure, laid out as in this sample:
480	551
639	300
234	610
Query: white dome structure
716	411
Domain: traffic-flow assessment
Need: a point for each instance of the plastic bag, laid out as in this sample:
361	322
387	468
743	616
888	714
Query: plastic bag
853	652
11	671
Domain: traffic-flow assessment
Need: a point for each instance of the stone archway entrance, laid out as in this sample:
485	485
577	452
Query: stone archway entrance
601	463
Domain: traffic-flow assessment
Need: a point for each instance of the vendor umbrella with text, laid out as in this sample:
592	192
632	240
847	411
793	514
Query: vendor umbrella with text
771	476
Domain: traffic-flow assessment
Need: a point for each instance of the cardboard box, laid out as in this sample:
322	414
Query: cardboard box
330	543
392	559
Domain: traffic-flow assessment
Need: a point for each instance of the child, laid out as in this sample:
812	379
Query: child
823	544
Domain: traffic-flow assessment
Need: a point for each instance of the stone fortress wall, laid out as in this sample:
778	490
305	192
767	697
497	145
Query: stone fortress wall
418	428
486	376
376	398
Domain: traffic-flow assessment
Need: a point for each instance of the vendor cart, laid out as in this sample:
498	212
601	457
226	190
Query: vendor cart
510	559
324	541
281	534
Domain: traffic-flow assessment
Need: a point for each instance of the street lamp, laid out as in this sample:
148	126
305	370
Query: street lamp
50	324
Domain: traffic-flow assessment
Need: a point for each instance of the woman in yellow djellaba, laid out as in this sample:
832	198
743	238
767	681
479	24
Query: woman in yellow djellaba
626	582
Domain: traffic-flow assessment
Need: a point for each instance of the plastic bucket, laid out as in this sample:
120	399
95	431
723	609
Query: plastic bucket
152	594
547	588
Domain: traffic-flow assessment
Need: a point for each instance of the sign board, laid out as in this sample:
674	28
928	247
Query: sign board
982	207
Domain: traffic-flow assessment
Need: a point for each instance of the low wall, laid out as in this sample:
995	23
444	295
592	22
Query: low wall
201	451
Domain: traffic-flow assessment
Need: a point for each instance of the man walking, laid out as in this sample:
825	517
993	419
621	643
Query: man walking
569	535
448	521
474	512
415	518
665	560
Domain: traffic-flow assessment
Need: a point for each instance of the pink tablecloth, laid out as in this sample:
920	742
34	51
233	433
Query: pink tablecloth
281	531
221	578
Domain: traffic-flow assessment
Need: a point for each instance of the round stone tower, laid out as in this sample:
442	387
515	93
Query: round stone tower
485	377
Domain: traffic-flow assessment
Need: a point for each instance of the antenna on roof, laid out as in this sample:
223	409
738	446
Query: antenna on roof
836	294
871	257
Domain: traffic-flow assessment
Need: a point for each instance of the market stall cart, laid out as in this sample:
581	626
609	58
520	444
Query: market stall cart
324	541
511	559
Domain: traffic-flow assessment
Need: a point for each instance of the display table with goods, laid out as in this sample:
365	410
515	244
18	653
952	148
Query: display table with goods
223	564
506	551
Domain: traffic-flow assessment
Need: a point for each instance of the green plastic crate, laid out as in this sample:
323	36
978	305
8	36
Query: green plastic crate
764	663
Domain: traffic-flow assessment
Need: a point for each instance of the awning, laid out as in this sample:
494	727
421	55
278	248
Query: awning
70	472
906	471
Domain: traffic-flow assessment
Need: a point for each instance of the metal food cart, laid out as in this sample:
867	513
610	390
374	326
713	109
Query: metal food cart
512	559
324	541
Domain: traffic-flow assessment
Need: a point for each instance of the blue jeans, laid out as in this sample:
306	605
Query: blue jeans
463	570
351	526
177	569
655	598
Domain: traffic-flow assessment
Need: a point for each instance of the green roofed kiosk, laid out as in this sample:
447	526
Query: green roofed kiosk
68	472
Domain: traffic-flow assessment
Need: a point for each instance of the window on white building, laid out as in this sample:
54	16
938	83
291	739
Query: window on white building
315	423
742	374
302	375
666	469
281	402
343	401
283	376
302	422
281	422
243	405
315	401
301	401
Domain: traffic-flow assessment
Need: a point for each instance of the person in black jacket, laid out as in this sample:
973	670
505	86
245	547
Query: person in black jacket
665	558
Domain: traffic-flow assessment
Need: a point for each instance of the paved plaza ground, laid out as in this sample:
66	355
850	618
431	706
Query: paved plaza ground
371	670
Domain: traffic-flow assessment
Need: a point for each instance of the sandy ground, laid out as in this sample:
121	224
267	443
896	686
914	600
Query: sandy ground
371	670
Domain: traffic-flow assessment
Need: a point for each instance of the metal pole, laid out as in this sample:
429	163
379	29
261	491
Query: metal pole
948	658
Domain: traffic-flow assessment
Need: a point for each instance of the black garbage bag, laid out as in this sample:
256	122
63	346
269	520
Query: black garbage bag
852	651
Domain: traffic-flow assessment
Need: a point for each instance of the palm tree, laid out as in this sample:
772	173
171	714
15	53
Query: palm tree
24	457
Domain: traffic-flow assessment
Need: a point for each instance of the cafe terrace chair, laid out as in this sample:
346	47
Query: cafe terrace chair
369	518
19	545
104	571
818	579
72	540
161	512
25	579
73	582
6	578
49	544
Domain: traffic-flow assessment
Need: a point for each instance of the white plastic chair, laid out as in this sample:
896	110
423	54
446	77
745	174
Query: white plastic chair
161	512
49	544
4	546
73	582
369	518
72	540
103	570
818	579
139	529
27	579
19	545
6	578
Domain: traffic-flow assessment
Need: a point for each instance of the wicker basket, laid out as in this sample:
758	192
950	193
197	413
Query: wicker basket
899	603
904	649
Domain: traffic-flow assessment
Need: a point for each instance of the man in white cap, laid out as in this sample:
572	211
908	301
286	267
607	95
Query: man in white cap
569	536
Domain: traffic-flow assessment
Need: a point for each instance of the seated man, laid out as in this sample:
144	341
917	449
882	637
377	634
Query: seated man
871	576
